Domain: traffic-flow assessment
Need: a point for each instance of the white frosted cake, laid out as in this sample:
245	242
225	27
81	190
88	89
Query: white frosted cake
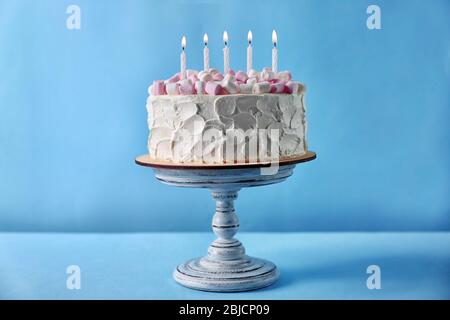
205	117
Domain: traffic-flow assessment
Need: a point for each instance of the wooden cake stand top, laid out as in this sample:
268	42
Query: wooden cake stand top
146	161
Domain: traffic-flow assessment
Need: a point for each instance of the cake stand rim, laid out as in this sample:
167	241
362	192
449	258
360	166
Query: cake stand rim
146	161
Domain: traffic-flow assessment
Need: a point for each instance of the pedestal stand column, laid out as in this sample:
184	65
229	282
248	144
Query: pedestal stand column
226	267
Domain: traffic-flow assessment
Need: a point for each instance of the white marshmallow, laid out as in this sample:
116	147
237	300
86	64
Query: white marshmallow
267	75
301	88
173	89
229	77
246	88
252	81
213	71
284	76
253	74
200	87
230	87
261	87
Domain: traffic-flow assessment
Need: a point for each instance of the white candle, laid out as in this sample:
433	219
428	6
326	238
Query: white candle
226	54
183	58
274	52
205	53
249	52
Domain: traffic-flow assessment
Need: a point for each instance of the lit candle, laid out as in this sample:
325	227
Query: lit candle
205	53
183	58
249	52
226	54
274	52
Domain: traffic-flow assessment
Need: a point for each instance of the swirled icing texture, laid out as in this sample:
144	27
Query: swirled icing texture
179	126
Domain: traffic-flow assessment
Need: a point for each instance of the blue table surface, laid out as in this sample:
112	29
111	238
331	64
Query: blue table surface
140	265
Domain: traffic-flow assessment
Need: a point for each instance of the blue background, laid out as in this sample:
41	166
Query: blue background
72	113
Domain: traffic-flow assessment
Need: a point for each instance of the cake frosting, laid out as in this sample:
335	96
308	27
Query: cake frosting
205	117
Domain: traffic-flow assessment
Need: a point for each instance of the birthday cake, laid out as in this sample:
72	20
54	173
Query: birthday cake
207	117
210	117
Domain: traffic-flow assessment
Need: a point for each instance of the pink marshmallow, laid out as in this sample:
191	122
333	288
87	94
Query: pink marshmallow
296	87
241	76
293	86
218	77
212	88
277	88
193	78
186	87
231	71
287	89
158	88
199	87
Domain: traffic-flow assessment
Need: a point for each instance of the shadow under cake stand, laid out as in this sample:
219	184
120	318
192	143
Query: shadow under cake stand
226	268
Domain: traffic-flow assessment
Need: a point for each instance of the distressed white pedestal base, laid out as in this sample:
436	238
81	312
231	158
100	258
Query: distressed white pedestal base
226	267
241	275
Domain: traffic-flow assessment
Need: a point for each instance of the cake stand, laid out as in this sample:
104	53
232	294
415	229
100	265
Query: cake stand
226	267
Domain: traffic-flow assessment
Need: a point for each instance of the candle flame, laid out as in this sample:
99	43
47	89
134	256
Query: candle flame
225	37
205	39
274	38
250	37
183	42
